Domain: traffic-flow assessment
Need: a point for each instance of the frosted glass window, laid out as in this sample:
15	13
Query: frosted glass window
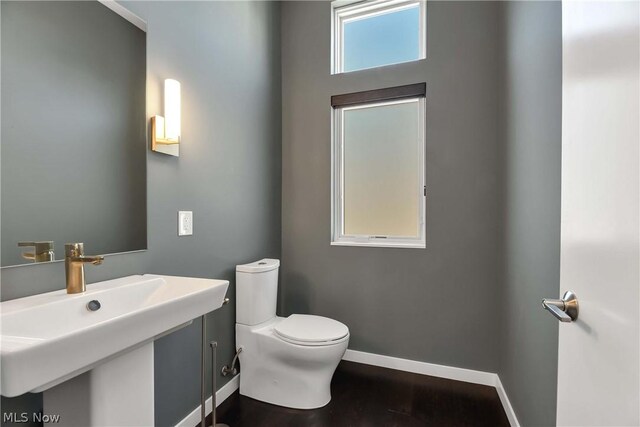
379	182
374	34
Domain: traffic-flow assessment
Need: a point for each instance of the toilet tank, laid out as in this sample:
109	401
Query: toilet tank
256	291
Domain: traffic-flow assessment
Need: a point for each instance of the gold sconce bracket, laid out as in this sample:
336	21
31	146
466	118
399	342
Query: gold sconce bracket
157	133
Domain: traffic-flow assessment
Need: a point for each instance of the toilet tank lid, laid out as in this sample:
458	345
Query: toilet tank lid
265	264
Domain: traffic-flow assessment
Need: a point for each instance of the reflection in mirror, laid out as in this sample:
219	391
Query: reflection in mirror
73	164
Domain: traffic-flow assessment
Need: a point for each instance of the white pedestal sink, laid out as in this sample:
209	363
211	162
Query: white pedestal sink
96	367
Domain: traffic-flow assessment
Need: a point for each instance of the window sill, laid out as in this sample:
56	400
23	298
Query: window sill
377	67
379	244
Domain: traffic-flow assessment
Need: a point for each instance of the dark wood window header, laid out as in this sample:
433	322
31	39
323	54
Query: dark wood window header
379	95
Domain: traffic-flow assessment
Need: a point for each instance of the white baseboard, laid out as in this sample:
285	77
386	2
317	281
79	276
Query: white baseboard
440	371
221	395
508	409
458	374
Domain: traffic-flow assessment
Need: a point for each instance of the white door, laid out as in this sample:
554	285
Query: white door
598	371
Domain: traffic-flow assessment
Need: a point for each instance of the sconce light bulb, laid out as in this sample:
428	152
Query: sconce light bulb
172	109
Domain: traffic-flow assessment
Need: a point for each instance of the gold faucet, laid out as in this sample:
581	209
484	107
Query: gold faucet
43	251
74	260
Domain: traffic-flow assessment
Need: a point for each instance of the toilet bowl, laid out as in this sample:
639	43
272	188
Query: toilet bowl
286	361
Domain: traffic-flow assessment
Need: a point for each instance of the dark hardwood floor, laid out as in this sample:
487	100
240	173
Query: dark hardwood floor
369	396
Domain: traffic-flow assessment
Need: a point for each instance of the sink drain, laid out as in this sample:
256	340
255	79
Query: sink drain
93	305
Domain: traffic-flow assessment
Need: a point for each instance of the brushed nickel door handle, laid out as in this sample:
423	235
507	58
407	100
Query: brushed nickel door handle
565	309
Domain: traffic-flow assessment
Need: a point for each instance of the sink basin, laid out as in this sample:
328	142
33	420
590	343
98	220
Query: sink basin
53	337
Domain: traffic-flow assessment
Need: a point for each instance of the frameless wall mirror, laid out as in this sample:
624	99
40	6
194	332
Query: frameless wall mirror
73	159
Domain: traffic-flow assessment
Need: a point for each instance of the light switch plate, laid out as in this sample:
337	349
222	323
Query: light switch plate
185	223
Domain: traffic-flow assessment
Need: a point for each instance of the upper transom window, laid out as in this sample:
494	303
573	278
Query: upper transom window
371	34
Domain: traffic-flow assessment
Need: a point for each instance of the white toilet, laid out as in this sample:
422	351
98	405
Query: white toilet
284	361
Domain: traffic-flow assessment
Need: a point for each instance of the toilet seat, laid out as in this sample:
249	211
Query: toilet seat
309	330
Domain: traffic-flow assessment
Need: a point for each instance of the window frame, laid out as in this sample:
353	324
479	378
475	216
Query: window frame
343	11
369	99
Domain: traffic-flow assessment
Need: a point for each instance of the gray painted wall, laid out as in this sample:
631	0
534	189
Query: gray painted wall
436	304
227	57
73	140
531	113
471	299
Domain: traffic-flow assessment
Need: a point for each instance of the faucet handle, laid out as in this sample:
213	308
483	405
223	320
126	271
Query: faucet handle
73	249
75	252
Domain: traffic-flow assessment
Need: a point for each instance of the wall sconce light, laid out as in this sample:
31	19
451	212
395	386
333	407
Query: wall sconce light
165	131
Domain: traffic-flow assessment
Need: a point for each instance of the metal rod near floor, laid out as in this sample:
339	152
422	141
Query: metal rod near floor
214	362
203	413
214	357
